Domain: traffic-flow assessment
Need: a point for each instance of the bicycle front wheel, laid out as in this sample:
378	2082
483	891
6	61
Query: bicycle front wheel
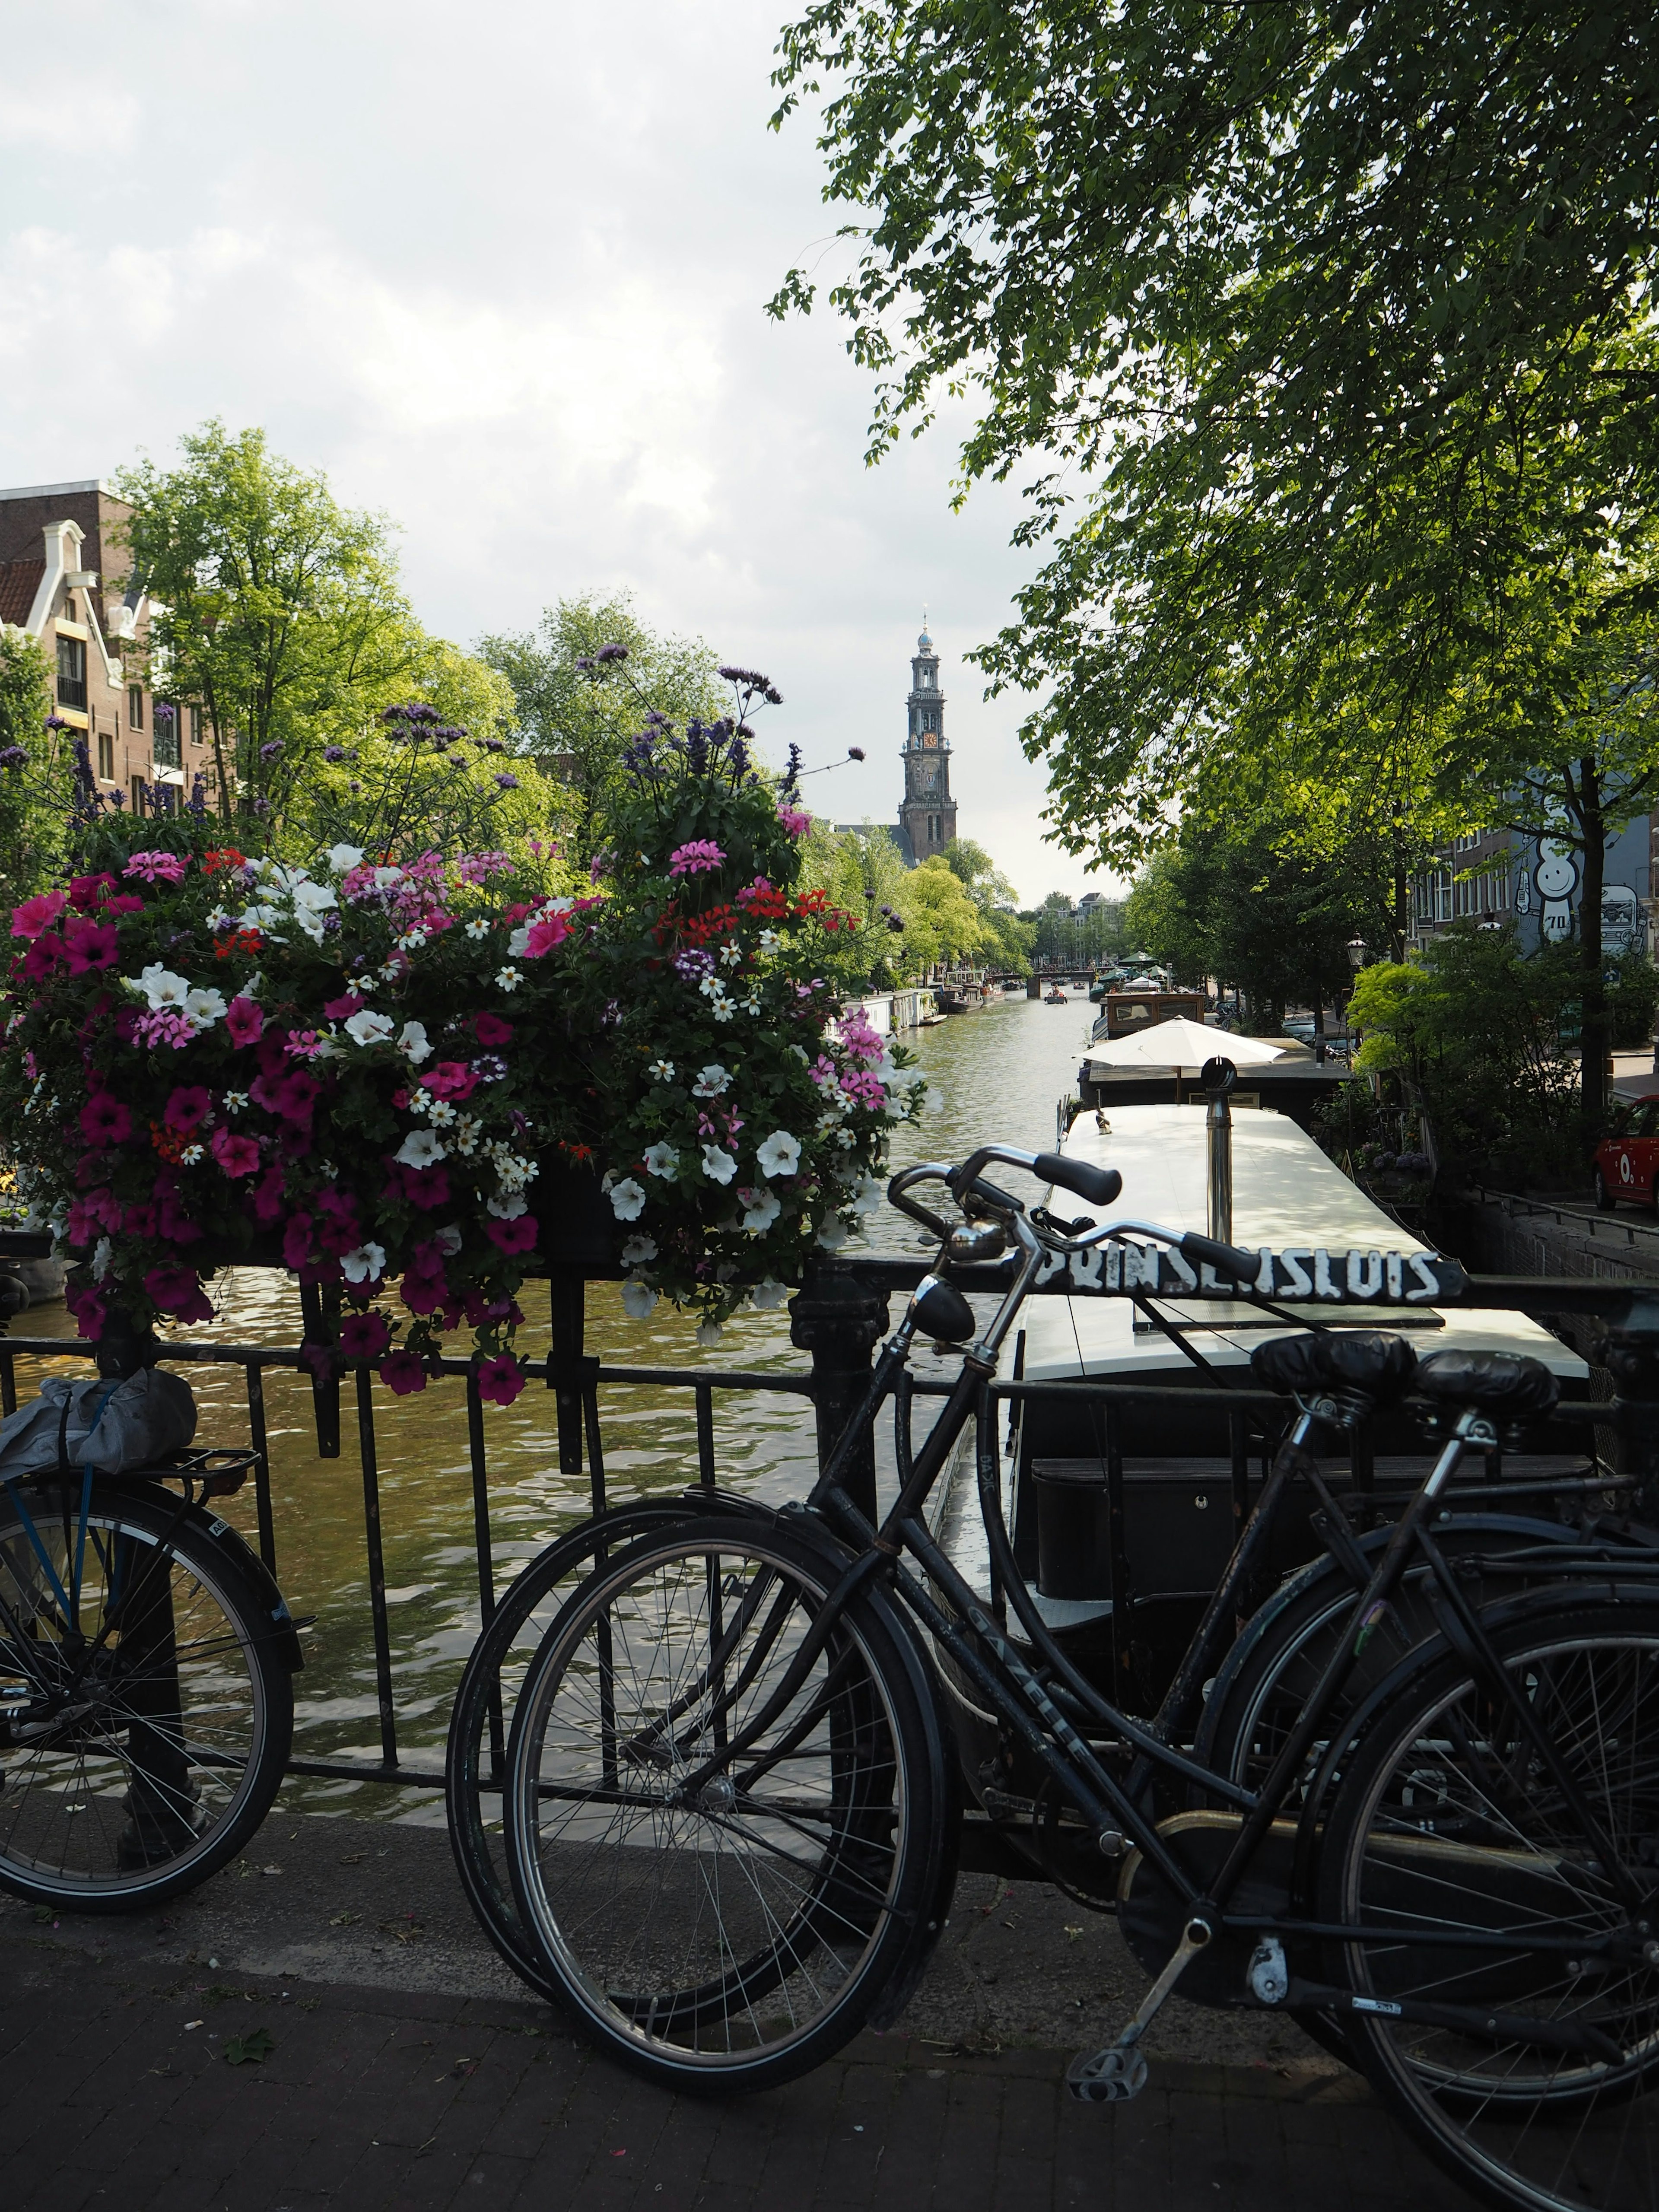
145	1715
1478	1873
725	1825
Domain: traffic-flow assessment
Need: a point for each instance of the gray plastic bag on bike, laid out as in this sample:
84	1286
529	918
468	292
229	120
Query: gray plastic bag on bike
111	1426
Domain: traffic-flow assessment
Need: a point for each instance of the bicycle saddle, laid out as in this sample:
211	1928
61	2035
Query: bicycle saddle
1496	1381
1364	1361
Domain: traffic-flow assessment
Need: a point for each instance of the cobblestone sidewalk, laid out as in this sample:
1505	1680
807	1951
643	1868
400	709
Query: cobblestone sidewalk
116	2089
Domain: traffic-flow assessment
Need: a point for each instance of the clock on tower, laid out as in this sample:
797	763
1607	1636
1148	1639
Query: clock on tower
927	813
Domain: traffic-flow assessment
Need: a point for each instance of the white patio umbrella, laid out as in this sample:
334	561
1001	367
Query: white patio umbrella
1183	1045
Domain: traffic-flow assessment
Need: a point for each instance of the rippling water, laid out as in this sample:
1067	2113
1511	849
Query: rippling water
993	1075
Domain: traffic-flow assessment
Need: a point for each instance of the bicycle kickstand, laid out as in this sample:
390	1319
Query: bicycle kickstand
1119	2072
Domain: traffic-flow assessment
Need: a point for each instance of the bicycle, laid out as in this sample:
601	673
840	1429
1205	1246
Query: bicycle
146	1690
729	1792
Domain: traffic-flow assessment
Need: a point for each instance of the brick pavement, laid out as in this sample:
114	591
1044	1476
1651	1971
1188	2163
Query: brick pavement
417	2102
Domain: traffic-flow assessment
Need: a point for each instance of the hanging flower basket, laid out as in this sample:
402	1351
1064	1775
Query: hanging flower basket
446	1072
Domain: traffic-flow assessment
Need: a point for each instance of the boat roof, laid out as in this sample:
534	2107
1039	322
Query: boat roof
1286	1193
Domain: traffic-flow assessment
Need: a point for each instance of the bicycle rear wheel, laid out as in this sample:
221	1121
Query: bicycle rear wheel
1448	1824
722	1912
145	1715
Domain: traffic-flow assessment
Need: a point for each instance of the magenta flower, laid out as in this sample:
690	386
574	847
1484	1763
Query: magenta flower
237	1155
427	1187
499	1379
342	1008
296	1241
294	1096
244	1021
42	956
104	1121
89	1310
450	1080
161	1028
89	945
37	913
402	1372
86	891
491	1029
157	867
699	858
364	1336
519	1235
544	935
187	1107
176	1289
793	820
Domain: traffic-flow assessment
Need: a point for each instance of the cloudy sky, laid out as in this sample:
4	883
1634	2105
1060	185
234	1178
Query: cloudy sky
500	272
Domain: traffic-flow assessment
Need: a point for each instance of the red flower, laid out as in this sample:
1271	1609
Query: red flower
237	1155
364	1336
244	1021
239	940
104	1121
517	1236
499	1379
491	1029
403	1372
227	858
187	1107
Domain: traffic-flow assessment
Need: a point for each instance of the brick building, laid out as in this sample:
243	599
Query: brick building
65	579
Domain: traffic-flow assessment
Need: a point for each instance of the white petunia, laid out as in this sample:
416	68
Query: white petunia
869	1194
518	943
833	1235
412	1041
718	1166
507	978
662	1159
103	1255
627	1199
342	857
638	1300
711	1081
761	1212
769	1295
420	1148
709	1334
506	1205
385	877
366	1264
369	1027
449	1241
780	1155
637	1250
162	986
203	1007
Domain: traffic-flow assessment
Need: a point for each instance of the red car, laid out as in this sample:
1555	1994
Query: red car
1628	1163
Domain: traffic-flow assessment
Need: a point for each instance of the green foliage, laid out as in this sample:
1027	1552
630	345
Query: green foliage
34	790
1481	1037
274	606
1633	1000
1007	942
577	712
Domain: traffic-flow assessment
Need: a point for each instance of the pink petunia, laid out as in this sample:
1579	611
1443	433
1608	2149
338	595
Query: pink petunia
793	821
244	1021
42	956
89	1310
499	1379
105	1120
37	913
518	1236
188	1107
491	1029
174	1223
544	935
237	1155
427	1189
89	945
342	1008
86	891
364	1336
449	1079
266	1197
294	1096
175	1288
402	1372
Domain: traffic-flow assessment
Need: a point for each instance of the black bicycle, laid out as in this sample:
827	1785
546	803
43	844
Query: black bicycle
731	1796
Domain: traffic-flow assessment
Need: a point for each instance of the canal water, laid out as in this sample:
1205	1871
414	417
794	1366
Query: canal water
997	1074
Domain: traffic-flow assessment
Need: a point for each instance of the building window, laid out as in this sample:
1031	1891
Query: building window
69	606
107	756
138	790
164	739
195	725
72	673
135	706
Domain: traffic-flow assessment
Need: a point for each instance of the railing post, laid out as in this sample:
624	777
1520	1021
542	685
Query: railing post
840	1320
1630	1352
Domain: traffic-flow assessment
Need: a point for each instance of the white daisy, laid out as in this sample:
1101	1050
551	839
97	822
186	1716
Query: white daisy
507	978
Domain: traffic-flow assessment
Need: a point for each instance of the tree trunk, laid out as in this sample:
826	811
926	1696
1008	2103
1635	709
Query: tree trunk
1596	1034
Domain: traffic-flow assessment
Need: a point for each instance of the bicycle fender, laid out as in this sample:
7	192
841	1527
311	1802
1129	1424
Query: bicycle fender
273	1606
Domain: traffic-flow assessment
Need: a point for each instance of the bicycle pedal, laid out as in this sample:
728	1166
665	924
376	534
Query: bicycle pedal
1111	2076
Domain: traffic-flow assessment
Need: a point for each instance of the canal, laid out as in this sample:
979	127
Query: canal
993	1075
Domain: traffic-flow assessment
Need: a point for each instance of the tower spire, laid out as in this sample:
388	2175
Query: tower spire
927	813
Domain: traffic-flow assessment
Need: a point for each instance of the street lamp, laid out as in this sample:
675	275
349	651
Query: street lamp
1358	952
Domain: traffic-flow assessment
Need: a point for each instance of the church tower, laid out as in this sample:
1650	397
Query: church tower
928	815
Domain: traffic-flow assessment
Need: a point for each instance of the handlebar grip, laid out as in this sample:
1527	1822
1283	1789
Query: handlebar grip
1099	1186
1226	1259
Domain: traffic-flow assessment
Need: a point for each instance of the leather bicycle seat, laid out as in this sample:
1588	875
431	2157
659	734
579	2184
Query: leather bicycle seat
1496	1381
1366	1361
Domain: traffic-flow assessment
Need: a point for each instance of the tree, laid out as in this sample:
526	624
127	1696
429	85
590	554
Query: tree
1007	940
579	701
33	796
1272	293
275	608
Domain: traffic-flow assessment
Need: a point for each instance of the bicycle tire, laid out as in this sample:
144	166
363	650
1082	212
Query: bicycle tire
485	1702
1444	1817
751	1932
151	1771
